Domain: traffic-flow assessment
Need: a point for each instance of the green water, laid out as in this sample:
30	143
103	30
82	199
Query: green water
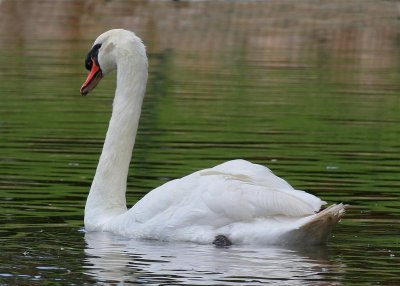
321	113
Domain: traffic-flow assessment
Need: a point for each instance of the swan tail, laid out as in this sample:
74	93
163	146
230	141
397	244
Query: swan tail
317	228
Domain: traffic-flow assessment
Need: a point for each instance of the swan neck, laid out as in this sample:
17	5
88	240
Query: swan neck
107	193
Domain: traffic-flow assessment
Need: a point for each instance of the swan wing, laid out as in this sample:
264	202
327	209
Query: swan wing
234	191
262	191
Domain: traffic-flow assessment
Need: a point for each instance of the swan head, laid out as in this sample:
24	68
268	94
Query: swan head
108	49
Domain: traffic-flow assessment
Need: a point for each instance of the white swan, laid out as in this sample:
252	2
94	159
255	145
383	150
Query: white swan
235	202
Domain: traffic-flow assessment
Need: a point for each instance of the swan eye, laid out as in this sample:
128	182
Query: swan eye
93	54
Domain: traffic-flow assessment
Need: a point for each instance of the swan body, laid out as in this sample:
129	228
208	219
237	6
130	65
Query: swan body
243	202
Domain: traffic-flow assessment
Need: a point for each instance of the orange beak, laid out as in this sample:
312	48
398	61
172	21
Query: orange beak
93	78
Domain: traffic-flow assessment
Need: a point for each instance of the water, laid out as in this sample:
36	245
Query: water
308	89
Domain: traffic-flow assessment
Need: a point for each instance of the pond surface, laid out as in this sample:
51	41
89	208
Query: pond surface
315	98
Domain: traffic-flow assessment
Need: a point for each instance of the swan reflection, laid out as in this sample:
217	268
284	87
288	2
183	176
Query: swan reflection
114	259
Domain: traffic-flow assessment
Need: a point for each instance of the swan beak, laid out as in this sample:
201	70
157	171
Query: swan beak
93	78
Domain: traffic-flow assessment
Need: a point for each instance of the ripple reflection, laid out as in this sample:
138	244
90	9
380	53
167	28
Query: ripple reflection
114	259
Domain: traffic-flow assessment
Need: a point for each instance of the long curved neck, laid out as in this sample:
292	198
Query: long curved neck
107	193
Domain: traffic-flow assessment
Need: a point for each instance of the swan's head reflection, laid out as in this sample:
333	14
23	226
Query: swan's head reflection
113	259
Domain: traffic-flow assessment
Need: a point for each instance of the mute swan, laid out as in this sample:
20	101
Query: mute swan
236	202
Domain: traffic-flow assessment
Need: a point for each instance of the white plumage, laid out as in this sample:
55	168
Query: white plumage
242	201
